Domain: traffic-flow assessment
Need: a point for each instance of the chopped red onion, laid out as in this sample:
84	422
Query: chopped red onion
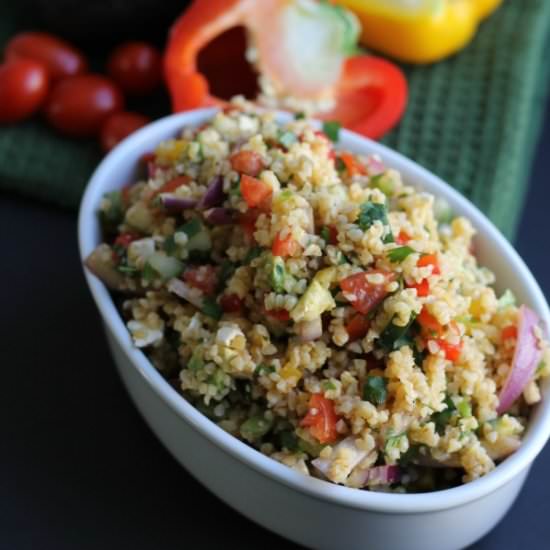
176	204
220	216
375	166
524	363
378	475
213	195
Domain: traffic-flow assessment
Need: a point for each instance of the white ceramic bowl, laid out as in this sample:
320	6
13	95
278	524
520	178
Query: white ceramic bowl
307	510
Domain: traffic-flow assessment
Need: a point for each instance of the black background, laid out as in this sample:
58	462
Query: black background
79	469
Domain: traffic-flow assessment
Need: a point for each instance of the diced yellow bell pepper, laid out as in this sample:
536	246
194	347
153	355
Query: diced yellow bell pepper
419	31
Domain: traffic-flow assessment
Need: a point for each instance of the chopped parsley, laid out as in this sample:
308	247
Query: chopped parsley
375	390
332	129
394	337
441	419
371	212
211	308
399	254
264	370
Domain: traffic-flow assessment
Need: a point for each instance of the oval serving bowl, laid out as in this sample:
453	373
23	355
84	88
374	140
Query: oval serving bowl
310	511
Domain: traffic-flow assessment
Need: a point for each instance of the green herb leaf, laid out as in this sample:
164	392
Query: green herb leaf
191	228
409	455
264	370
332	129
252	253
299	116
374	390
211	308
394	337
127	269
170	246
464	408
278	274
325	234
371	212
441	419
340	165
148	273
288	440
195	363
399	254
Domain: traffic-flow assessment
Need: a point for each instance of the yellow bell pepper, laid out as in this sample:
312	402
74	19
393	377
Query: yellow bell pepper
419	31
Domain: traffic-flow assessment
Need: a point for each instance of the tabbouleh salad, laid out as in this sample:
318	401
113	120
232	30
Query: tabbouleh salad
316	307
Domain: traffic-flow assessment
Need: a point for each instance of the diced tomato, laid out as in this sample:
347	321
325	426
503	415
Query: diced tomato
279	314
357	327
148	160
124	239
255	192
321	419
284	247
422	288
247	221
231	303
353	166
429	322
452	351
247	162
173	184
509	332
366	295
429	259
205	278
402	237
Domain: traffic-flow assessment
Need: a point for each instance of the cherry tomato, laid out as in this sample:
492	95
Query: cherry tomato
321	419
59	57
366	295
23	88
136	67
118	126
78	105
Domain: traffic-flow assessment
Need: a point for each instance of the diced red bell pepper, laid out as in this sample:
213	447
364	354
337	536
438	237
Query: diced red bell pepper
429	323
509	332
452	351
284	247
402	237
422	288
357	327
231	303
124	239
321	419
247	221
429	259
255	192
279	314
366	296
247	162
204	277
353	166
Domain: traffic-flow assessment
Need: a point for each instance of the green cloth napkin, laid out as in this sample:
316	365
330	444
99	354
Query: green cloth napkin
472	119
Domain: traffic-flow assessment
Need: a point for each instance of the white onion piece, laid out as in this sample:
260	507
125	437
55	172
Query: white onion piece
309	330
356	455
179	288
524	363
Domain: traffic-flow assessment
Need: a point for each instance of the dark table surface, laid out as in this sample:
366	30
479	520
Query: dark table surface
80	469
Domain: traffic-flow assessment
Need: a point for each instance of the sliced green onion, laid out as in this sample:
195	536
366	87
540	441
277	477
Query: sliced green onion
166	266
195	363
399	254
374	390
383	182
332	129
464	409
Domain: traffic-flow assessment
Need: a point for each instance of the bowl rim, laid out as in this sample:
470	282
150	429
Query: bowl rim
533	441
